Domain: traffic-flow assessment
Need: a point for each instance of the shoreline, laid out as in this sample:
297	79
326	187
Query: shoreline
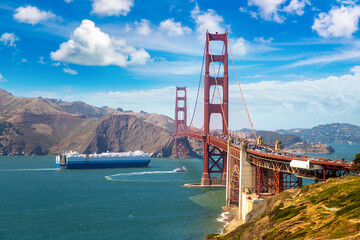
230	219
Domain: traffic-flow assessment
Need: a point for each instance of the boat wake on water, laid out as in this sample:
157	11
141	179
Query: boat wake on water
136	176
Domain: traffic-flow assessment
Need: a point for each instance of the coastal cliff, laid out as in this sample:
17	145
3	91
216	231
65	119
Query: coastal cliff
329	210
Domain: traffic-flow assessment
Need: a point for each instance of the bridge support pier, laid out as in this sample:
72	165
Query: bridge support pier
215	164
246	180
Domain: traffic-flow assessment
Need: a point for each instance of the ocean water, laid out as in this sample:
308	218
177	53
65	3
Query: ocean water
343	151
39	201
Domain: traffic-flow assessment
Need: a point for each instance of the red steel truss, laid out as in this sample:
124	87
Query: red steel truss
272	182
215	158
180	122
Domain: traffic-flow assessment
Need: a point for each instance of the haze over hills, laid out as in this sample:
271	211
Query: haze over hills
328	133
50	126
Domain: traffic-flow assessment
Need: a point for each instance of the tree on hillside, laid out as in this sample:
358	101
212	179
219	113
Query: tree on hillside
356	165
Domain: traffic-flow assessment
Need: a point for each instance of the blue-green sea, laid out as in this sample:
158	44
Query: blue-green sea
39	201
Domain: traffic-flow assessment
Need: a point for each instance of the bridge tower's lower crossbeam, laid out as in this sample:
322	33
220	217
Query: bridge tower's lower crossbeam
214	166
180	148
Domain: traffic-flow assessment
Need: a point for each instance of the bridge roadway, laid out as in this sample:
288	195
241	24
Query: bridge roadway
278	162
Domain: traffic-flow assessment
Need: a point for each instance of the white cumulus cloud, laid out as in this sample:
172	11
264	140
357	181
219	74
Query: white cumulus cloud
68	1
143	27
9	39
88	45
173	28
112	7
302	103
32	15
207	20
268	9
339	22
239	47
275	10
70	71
296	7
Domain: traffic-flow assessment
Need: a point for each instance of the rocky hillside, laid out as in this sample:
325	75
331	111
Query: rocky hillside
328	133
90	111
271	137
48	126
304	148
329	210
119	133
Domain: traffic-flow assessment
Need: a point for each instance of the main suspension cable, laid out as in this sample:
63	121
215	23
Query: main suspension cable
197	95
242	95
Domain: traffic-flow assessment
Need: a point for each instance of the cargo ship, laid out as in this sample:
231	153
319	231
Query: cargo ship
74	160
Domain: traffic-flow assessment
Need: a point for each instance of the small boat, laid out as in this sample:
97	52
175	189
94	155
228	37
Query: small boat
183	169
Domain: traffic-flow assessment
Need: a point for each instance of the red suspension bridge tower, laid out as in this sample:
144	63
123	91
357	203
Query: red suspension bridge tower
214	158
180	122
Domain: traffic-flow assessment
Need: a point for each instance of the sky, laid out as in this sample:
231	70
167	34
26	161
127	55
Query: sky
297	60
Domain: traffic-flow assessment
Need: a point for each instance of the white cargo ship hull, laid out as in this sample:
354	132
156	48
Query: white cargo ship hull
72	160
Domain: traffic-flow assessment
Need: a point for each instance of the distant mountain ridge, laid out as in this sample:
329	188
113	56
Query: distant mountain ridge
48	126
271	137
328	133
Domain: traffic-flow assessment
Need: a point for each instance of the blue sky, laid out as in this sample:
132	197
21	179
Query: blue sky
296	59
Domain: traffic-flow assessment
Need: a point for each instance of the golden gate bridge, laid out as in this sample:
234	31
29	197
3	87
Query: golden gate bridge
241	165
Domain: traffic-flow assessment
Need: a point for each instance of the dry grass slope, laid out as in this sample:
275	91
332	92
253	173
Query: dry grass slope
328	210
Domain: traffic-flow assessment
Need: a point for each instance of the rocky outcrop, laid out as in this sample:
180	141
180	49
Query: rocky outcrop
303	148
